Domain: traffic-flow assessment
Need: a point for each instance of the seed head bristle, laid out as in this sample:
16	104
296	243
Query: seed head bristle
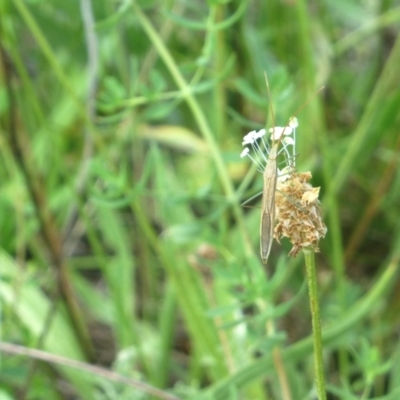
298	213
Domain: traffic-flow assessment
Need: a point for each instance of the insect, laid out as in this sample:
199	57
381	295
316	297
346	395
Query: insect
267	221
271	173
270	176
268	204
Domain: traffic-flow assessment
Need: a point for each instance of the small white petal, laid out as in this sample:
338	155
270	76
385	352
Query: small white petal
283	178
293	122
260	133
244	152
288	141
288	131
249	138
247	141
278	131
284	174
249	135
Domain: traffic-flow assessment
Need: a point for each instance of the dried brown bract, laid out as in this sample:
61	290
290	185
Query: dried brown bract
298	213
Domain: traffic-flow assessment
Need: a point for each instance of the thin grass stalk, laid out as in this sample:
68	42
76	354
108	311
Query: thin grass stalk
279	365
203	332
19	145
299	350
388	80
90	369
379	195
277	358
49	55
316	323
200	120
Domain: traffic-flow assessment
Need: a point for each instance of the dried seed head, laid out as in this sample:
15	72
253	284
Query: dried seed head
298	213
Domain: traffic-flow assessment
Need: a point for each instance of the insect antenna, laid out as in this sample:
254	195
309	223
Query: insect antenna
271	107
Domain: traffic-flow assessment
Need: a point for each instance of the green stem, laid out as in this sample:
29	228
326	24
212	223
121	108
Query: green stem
316	323
201	120
297	351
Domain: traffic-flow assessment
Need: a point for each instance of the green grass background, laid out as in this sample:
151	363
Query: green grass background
123	242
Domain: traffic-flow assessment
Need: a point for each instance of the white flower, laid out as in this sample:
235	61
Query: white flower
284	174
244	152
260	133
261	147
293	122
278	131
249	138
288	141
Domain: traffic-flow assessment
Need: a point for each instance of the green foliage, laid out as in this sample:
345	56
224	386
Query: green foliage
122	149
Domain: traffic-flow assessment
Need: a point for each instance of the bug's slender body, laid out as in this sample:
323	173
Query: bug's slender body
268	204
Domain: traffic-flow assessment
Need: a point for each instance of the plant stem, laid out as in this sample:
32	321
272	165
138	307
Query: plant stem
316	323
201	120
21	150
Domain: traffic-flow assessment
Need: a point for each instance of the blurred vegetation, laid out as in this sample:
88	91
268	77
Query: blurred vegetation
123	241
